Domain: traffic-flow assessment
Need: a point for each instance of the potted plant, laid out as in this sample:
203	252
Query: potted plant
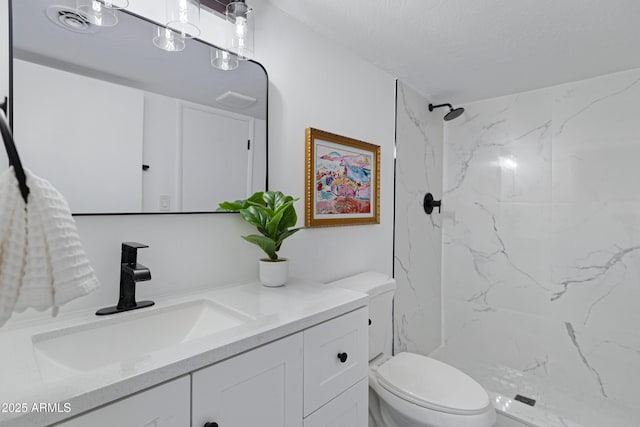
272	213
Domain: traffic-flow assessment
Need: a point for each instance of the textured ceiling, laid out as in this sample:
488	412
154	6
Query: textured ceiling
465	50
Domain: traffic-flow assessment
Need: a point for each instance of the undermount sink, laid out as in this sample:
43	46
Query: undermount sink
130	336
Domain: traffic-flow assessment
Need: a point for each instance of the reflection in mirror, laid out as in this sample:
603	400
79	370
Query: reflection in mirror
121	126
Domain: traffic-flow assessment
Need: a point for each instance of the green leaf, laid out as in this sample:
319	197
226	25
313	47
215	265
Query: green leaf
256	198
230	206
256	216
269	198
284	235
273	227
289	218
272	213
265	243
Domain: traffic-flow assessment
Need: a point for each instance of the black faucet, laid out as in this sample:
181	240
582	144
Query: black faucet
130	273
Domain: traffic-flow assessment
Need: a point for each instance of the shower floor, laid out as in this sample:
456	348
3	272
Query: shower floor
554	407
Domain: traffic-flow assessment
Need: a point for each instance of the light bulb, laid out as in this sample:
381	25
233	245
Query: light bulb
183	16
168	40
241	26
223	60
241	30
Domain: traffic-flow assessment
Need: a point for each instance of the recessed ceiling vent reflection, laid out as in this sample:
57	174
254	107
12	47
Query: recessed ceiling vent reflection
236	100
67	18
452	114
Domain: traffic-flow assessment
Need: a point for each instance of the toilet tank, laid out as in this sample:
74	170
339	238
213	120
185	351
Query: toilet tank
380	289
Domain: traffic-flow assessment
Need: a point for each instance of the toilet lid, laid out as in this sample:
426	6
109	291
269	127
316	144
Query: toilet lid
432	384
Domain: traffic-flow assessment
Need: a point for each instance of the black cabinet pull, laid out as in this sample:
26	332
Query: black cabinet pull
342	357
210	424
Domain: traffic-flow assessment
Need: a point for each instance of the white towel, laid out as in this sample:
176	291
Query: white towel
13	242
55	269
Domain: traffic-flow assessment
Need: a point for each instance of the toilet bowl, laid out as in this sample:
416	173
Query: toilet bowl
412	390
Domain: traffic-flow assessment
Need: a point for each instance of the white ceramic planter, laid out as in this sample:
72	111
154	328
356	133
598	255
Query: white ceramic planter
274	273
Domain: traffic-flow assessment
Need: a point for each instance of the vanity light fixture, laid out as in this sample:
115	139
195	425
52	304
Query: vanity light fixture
167	39
102	13
115	4
223	60
241	30
183	16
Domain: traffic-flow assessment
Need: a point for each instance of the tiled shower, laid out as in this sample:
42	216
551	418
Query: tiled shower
539	255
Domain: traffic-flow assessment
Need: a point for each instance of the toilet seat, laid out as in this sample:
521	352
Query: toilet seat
432	384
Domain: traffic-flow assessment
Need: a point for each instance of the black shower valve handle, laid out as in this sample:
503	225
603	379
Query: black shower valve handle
429	203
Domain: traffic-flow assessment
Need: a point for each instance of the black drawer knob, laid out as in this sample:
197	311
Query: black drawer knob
342	357
210	424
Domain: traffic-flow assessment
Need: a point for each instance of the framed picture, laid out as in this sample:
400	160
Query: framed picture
342	180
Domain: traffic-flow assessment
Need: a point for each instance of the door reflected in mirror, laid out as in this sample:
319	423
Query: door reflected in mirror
119	125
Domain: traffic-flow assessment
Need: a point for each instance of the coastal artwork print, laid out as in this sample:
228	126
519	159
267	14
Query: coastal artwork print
342	180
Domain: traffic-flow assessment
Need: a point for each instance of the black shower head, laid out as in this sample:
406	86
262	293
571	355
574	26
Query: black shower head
452	114
455	112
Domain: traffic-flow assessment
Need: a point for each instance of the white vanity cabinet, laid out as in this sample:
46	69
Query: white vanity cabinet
336	370
166	405
316	377
335	357
262	387
350	409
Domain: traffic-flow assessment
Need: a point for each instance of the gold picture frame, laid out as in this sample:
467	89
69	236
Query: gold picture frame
342	180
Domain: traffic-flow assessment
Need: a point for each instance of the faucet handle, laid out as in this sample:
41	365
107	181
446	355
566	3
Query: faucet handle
130	252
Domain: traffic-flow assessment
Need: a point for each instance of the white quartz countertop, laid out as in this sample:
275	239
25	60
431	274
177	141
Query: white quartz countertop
274	313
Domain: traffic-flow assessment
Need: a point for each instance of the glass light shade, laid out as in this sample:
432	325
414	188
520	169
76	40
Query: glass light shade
167	39
183	16
223	60
98	13
115	4
241	30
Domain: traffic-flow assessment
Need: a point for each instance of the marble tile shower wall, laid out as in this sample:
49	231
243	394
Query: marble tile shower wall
541	236
418	237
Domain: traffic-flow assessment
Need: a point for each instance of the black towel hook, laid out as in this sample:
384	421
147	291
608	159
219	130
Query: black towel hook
12	154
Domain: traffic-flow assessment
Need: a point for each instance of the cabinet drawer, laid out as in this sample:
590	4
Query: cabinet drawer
335	357
167	405
350	409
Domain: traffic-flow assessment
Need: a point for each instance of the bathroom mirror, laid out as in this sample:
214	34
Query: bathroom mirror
119	125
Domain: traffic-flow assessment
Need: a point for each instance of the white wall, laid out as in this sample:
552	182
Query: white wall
312	83
53	121
418	244
160	151
4	53
259	152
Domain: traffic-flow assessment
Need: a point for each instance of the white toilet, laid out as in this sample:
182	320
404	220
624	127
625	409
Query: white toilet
410	389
